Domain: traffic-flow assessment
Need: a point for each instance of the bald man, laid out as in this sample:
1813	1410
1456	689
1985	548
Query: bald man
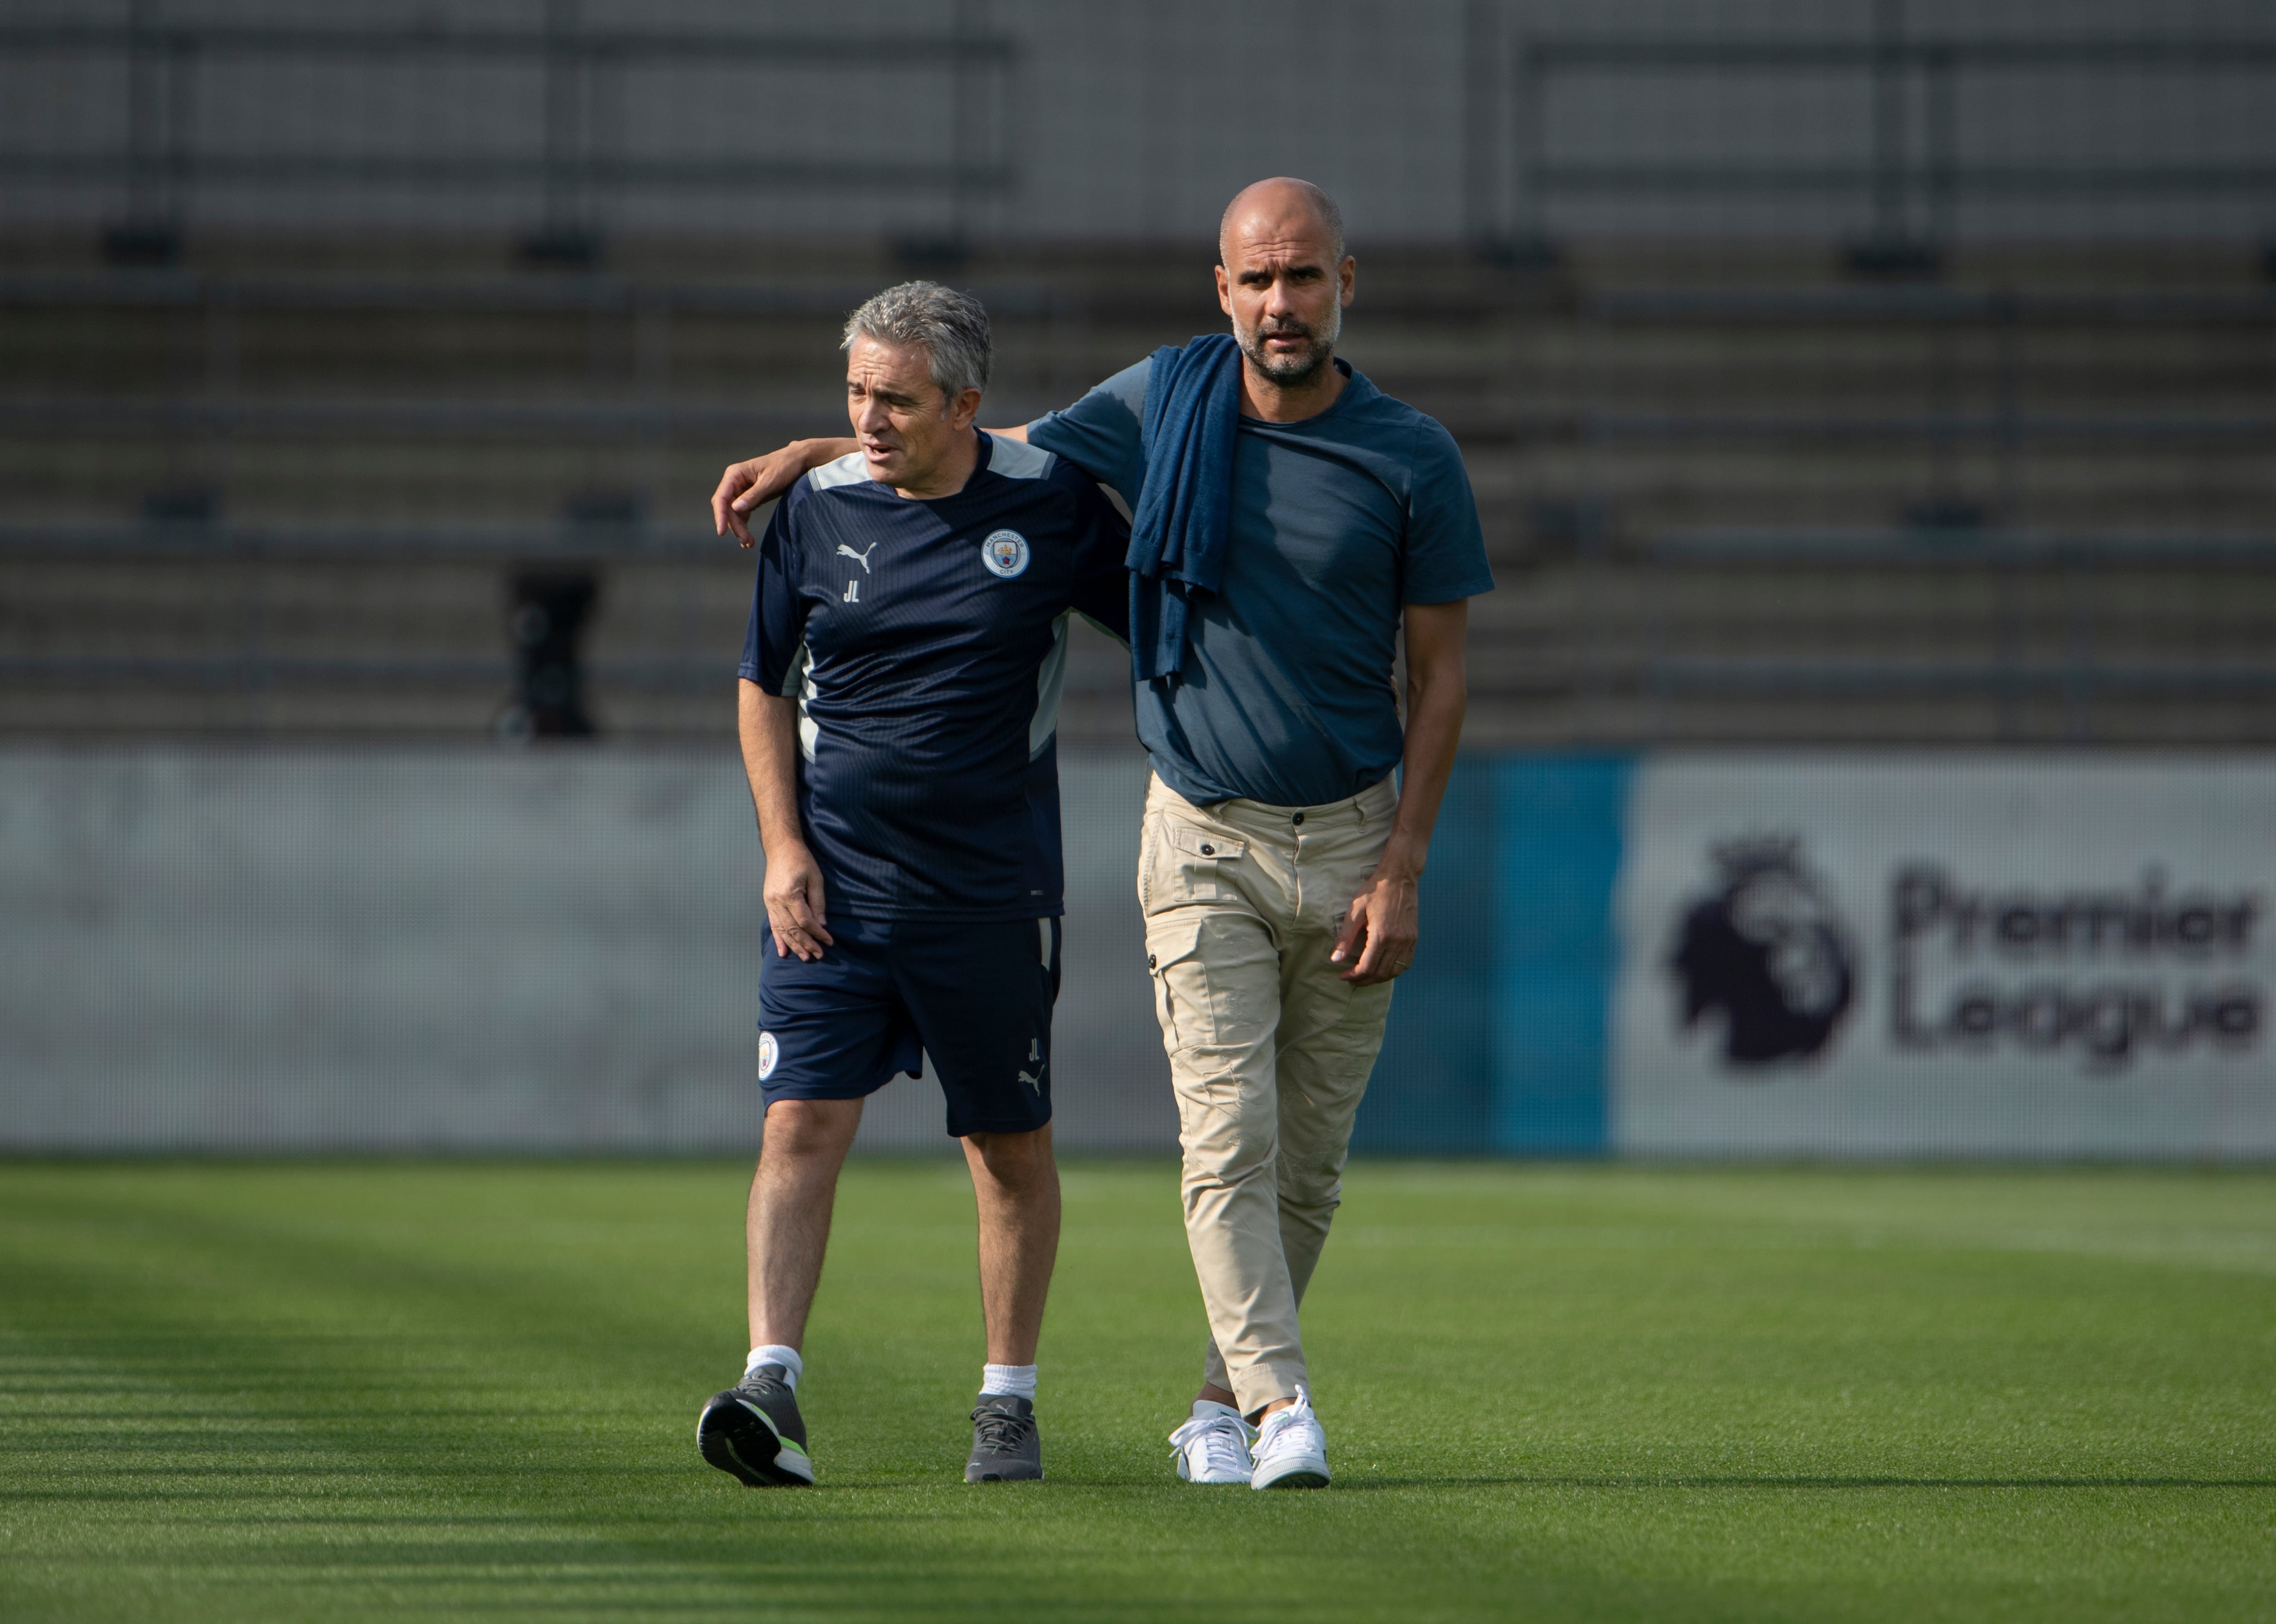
1279	854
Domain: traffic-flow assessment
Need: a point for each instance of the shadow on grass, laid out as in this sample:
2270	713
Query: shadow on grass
1549	1481
343	1481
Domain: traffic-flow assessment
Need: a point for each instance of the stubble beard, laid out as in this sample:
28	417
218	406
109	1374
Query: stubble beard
1291	371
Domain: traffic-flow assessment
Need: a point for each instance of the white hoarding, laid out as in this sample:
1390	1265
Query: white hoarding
1945	955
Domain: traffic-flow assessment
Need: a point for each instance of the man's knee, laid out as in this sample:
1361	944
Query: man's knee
1017	1162
802	1129
1319	1191
1319	1107
1311	1166
1230	1134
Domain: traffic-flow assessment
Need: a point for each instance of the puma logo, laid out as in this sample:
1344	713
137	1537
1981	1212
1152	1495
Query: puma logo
862	558
1035	1082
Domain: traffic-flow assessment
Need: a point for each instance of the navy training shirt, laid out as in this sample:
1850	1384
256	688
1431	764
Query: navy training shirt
926	644
1338	521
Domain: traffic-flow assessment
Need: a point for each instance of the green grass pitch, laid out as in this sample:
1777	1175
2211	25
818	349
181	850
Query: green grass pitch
335	1392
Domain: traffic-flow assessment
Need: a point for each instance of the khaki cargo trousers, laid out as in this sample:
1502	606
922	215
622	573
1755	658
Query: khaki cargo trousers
1269	1050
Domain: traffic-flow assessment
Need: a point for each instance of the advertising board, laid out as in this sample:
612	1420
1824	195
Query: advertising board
1944	954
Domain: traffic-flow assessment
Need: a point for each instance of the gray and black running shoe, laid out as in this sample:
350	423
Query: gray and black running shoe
1005	1446
754	1430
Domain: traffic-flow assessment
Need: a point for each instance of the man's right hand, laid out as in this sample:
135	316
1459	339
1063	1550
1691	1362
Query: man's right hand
793	893
748	485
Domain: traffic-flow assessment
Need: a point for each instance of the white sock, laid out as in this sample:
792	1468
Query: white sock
774	1353
1015	1381
1205	1408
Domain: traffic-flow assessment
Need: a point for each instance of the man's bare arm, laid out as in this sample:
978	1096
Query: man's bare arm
746	486
768	724
1384	924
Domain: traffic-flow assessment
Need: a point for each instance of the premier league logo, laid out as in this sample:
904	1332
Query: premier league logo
1767	952
1005	552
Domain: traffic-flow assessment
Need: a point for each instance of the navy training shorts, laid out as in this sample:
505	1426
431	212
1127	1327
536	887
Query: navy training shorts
887	993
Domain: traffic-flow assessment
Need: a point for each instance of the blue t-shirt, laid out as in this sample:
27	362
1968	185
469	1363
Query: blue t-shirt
926	643
1337	522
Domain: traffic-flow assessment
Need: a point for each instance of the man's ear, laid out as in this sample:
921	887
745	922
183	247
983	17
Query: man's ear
1223	290
963	409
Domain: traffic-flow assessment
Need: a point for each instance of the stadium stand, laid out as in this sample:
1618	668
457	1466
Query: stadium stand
1733	495
1808	398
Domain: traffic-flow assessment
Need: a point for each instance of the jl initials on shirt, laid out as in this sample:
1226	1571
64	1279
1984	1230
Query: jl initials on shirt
852	592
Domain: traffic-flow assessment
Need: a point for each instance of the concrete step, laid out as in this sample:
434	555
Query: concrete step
1629	398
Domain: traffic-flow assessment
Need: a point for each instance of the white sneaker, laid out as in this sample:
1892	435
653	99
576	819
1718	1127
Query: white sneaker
1213	1446
1292	1452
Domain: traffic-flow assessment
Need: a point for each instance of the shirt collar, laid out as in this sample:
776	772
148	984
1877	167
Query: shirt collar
1355	387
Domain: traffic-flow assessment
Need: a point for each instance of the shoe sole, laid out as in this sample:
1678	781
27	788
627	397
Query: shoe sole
1245	1479
991	1474
1296	1478
744	1443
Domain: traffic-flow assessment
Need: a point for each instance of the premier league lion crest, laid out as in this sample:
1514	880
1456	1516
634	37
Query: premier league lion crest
1005	552
1767	950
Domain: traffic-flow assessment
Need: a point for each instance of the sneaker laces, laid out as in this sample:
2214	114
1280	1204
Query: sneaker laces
999	1431
1280	1423
1224	1440
760	1384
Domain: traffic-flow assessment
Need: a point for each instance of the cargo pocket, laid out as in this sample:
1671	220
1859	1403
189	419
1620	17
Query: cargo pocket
1172	941
1195	859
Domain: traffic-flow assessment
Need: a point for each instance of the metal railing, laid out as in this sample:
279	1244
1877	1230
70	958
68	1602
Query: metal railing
633	539
163	166
1915	174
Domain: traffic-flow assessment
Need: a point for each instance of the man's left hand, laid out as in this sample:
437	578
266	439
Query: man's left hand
1379	933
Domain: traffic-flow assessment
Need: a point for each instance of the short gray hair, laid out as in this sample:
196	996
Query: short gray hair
951	329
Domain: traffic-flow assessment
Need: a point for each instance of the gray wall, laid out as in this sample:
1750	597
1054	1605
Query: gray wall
1138	121
457	949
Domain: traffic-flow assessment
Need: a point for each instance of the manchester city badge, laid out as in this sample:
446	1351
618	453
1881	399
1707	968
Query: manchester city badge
1005	552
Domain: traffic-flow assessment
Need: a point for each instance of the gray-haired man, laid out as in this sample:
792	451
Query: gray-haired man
1279	860
899	726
